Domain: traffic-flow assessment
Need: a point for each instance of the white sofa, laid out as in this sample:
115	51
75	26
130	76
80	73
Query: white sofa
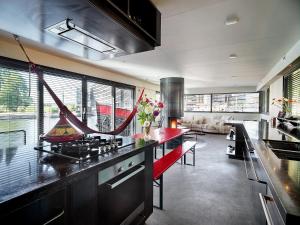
207	124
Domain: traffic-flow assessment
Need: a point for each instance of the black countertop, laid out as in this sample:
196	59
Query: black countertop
284	174
22	169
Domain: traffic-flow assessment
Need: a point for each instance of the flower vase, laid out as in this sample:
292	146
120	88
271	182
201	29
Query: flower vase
147	136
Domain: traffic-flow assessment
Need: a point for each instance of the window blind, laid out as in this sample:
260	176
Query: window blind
293	90
69	90
18	123
124	106
100	106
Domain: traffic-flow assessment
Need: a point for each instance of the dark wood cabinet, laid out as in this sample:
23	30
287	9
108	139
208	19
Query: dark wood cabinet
264	206
78	200
83	201
141	17
50	210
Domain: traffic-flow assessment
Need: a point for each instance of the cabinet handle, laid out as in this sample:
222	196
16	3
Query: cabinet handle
254	171
117	183
55	217
265	208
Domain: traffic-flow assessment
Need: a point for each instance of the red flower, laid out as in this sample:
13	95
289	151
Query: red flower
147	100
160	105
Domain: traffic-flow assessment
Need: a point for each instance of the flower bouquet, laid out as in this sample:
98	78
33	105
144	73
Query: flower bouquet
148	111
285	107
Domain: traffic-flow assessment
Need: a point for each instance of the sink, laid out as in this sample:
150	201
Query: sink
291	146
284	150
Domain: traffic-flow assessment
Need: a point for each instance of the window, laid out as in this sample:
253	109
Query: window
68	90
265	100
100	106
235	102
197	103
18	121
292	90
124	106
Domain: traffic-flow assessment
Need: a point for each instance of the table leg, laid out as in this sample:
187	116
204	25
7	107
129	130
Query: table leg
161	197
194	156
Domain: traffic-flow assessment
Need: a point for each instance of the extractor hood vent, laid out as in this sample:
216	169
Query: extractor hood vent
71	32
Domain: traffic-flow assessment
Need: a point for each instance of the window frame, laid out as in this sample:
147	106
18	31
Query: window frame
211	102
23	66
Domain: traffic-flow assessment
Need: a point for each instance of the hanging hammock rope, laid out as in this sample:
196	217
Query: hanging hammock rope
67	113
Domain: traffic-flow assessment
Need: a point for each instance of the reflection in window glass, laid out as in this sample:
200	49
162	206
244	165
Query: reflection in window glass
124	106
69	91
197	103
18	123
235	102
100	106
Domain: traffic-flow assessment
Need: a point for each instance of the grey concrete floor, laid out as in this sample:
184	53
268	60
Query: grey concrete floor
215	191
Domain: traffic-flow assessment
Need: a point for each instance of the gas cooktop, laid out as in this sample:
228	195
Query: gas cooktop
85	149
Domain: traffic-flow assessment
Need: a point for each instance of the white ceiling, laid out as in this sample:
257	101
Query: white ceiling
196	43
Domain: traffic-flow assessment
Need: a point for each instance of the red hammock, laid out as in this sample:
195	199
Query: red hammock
65	112
73	119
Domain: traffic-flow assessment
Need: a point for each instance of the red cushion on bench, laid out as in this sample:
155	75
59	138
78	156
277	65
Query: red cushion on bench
164	163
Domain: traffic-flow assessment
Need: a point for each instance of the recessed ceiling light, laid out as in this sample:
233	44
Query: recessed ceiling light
232	56
231	20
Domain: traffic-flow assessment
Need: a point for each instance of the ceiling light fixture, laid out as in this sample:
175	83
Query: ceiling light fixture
71	32
231	20
232	56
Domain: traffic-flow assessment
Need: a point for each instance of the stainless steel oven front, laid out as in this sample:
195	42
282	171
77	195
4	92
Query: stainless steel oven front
121	192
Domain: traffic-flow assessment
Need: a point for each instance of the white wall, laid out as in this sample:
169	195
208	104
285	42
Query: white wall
236	116
289	57
10	49
275	81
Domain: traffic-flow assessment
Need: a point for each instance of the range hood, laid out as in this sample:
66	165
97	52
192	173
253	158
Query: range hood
66	29
91	29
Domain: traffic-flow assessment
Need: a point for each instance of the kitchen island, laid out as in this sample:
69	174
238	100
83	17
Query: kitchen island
279	177
59	191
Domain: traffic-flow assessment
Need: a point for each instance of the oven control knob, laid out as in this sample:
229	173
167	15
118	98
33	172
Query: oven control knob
130	164
120	169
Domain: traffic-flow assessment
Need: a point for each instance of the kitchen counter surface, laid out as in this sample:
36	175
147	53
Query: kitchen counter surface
284	174
24	170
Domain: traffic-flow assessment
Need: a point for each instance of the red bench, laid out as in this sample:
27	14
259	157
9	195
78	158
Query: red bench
164	163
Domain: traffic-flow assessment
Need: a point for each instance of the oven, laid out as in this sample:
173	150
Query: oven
121	192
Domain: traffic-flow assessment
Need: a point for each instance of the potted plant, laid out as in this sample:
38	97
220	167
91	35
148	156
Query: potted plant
148	111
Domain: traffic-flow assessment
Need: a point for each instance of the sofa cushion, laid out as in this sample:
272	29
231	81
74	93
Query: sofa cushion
186	121
199	120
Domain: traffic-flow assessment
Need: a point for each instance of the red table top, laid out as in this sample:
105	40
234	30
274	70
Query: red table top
163	135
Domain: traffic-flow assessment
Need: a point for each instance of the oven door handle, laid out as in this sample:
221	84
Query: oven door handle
117	183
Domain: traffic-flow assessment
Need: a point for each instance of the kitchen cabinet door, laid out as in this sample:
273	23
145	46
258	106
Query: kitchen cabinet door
48	210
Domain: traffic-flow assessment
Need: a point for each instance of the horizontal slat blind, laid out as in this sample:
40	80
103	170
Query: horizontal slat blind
18	122
100	117
124	106
68	90
293	90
